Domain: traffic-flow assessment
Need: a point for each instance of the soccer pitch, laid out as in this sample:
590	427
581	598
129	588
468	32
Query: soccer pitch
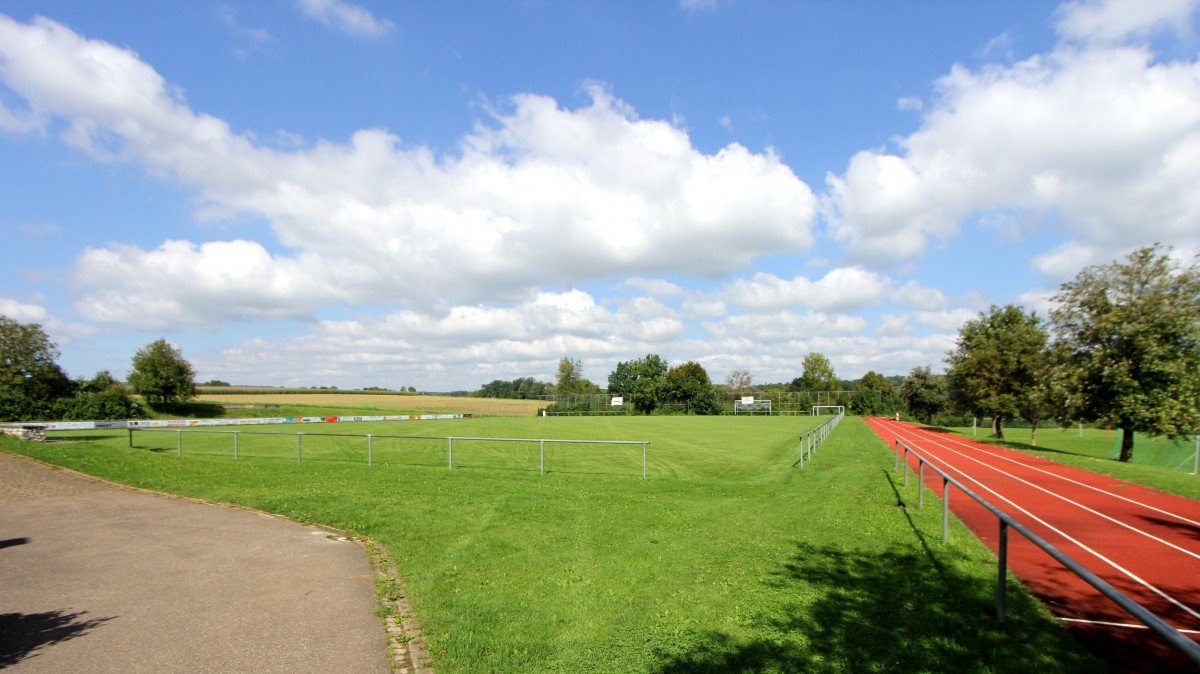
727	558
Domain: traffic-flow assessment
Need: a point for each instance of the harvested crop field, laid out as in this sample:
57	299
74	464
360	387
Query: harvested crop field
391	402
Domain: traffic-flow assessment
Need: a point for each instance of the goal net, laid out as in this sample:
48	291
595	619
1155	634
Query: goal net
749	405
836	410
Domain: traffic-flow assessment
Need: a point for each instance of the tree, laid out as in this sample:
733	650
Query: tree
875	395
642	381
738	381
923	393
161	375
1130	335
817	375
101	397
999	361
688	384
30	379
570	379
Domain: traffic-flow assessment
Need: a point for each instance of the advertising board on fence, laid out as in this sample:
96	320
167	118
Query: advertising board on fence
184	423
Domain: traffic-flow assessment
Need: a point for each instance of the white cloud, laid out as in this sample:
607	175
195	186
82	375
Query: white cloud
1038	301
698	5
841	289
346	17
918	296
1115	20
22	312
949	320
654	287
894	325
181	284
539	195
250	40
1102	139
59	331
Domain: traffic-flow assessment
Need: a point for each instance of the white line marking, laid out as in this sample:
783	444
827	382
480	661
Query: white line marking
1067	536
963	441
1064	498
1105	623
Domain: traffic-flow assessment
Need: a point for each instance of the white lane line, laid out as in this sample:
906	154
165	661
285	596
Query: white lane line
1093	511
1105	623
1085	548
1002	457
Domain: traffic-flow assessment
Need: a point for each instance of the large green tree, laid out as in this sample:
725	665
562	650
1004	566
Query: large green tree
688	384
30	379
923	393
161	375
875	395
817	375
643	381
1130	335
570	379
998	363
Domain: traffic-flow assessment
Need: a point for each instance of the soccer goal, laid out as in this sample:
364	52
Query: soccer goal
748	405
836	410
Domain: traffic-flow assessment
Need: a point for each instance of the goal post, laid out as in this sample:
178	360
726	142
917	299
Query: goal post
749	405
836	410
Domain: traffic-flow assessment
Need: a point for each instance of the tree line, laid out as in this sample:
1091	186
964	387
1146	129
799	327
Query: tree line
34	387
1121	348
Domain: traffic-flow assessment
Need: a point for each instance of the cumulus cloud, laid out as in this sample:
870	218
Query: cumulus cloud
59	331
1116	20
347	17
538	195
839	290
1101	139
21	311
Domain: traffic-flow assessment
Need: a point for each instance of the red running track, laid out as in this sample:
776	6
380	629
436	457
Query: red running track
1144	542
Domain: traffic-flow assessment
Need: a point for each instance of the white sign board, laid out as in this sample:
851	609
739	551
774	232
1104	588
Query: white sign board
747	400
617	401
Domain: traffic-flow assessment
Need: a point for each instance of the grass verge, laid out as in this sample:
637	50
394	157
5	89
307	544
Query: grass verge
727	559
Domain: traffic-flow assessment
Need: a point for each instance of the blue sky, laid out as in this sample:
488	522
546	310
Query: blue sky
325	192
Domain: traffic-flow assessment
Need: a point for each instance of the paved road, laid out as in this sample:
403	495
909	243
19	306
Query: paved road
103	579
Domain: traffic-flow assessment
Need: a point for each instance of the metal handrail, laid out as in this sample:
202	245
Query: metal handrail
372	436
810	440
1173	636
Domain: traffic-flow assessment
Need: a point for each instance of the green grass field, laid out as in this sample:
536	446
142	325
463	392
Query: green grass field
728	559
1160	463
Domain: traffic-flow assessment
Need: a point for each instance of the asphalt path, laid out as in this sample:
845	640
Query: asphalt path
99	578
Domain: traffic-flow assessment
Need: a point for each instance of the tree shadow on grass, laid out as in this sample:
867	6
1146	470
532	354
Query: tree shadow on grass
23	633
193	409
920	608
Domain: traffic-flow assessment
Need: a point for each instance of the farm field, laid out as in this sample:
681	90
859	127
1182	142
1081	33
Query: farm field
366	402
727	559
1160	463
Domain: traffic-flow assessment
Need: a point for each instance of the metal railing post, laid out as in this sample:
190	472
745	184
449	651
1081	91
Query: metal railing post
235	445
896	469
904	465
369	457
179	443
644	460
299	445
1195	457
945	509
130	437
920	483
1002	573
542	456
449	453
